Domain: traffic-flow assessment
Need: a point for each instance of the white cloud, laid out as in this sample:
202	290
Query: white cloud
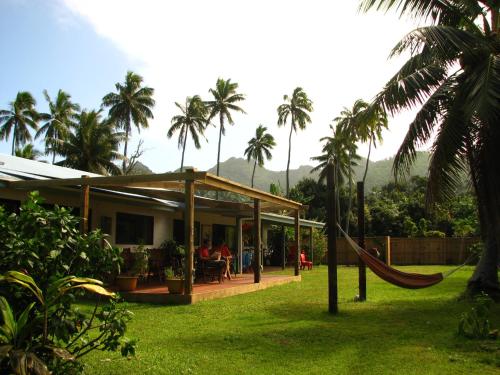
269	47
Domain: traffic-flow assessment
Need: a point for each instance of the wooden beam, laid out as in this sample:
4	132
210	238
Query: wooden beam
189	236
234	187
110	180
297	241
84	207
361	240
331	225
257	241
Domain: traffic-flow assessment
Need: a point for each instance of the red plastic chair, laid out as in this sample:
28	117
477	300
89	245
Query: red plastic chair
305	263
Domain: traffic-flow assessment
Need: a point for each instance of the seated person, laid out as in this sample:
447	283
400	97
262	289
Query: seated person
227	256
205	254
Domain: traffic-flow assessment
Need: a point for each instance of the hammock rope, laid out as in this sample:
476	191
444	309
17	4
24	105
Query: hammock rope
394	276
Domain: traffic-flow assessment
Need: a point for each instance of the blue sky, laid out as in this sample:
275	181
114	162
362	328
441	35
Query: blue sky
85	46
42	50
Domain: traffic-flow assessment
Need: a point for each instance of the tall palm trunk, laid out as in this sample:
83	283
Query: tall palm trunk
337	193
485	276
53	156
124	164
184	150
14	139
349	200
288	163
220	139
253	173
368	159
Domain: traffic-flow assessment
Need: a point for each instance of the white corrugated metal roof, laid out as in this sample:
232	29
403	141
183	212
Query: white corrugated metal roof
13	164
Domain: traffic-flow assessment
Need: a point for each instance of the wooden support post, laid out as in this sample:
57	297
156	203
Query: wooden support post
297	241
84	207
189	235
239	228
311	243
388	250
331	230
257	241
361	240
283	247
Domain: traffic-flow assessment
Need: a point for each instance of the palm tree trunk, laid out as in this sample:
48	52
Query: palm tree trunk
288	163
253	173
337	193
124	165
221	117
183	150
349	200
14	140
53	157
367	160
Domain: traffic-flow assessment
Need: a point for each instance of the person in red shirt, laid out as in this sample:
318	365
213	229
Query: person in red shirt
203	252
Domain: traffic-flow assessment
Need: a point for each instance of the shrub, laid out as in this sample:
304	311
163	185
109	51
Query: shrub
44	249
475	324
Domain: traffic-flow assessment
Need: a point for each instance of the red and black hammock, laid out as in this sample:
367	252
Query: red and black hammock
392	275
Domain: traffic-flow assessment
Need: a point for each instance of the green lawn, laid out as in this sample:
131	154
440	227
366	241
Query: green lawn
286	330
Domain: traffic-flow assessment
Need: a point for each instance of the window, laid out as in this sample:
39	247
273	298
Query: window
134	229
179	232
10	205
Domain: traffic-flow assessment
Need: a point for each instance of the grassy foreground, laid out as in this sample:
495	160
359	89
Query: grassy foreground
286	330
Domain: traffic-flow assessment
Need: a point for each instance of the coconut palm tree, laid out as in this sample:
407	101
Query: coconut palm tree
192	121
21	116
224	102
93	146
340	150
28	152
58	121
297	107
453	77
131	104
365	122
258	147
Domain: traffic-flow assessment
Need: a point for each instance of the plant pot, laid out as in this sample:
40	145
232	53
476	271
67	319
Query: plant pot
175	286
126	283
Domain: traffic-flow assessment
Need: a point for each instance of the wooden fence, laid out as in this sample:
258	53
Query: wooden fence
402	251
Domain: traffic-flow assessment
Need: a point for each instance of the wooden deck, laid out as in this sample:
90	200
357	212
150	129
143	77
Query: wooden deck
158	294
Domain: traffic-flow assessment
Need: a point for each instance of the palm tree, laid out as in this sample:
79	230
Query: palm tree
341	151
225	99
59	121
193	120
365	122
93	146
346	125
297	107
21	116
453	77
132	103
28	152
260	145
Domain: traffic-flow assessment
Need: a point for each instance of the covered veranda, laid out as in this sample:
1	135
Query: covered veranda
181	187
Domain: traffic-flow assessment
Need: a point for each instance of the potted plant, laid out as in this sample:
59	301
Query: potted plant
127	281
174	281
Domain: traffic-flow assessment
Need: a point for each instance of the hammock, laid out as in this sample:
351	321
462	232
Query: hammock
392	275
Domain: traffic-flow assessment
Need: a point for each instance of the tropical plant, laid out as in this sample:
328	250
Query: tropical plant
258	147
35	341
21	116
132	103
224	102
47	246
58	122
93	146
28	152
453	76
297	107
192	121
